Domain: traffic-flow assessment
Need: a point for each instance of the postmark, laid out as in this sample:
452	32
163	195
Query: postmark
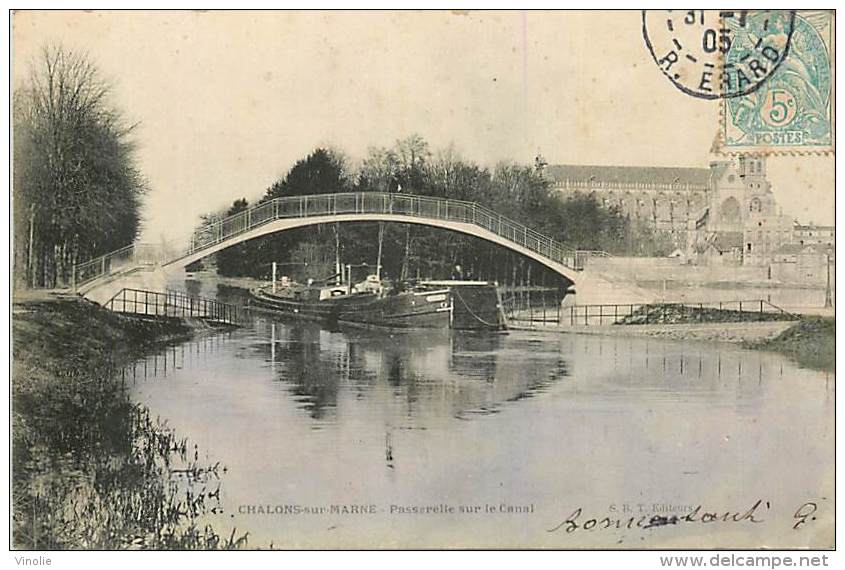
792	111
692	48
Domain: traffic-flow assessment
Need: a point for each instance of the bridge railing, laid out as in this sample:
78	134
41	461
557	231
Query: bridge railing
393	204
132	255
424	207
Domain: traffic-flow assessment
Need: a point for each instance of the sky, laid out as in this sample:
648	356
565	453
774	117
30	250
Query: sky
227	101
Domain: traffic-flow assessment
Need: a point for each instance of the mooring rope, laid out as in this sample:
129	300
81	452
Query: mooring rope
471	312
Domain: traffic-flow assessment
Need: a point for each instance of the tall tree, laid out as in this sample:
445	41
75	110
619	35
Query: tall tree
76	188
321	172
237	259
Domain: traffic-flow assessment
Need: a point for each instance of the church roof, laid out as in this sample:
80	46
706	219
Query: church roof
618	175
726	241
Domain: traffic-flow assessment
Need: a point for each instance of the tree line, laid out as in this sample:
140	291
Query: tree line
409	251
75	189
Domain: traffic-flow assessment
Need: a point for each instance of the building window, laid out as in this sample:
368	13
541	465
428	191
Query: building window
749	246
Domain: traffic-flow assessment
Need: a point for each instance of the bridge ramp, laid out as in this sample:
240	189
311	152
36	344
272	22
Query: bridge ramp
151	278
594	288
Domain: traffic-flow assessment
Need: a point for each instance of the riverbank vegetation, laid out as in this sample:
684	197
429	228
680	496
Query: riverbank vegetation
811	342
682	314
76	190
521	192
90	468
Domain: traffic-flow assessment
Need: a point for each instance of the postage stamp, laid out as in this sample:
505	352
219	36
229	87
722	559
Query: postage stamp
792	109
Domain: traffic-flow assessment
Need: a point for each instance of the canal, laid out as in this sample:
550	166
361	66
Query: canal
356	438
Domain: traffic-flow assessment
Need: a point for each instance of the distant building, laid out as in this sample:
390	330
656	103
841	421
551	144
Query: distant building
725	248
804	263
724	208
814	235
669	200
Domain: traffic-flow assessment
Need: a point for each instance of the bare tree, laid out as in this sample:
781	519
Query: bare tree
76	189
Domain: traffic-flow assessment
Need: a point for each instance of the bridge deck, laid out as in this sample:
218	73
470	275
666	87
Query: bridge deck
264	218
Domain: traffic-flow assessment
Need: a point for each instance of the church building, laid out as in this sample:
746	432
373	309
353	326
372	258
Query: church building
728	206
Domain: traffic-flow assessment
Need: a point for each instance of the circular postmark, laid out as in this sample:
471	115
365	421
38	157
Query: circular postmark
714	54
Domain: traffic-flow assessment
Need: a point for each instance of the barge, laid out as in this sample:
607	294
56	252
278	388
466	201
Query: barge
459	305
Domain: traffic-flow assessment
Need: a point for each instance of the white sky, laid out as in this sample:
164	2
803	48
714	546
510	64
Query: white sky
228	101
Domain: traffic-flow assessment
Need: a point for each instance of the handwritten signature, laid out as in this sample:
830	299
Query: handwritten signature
753	515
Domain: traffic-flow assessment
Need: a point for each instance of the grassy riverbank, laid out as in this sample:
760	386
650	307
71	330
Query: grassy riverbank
811	342
91	469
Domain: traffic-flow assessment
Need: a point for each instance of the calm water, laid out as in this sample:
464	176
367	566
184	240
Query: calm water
513	432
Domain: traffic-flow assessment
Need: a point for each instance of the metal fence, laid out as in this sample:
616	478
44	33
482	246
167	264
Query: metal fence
173	304
424	207
544	310
753	310
529	304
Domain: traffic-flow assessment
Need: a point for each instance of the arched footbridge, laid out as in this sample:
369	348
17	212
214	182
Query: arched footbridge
288	213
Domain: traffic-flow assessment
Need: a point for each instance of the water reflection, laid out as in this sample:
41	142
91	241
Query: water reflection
469	374
176	357
312	416
456	375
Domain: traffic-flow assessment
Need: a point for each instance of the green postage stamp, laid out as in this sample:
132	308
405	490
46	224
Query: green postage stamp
792	110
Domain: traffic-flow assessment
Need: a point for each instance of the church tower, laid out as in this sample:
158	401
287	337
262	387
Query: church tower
759	199
752	167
